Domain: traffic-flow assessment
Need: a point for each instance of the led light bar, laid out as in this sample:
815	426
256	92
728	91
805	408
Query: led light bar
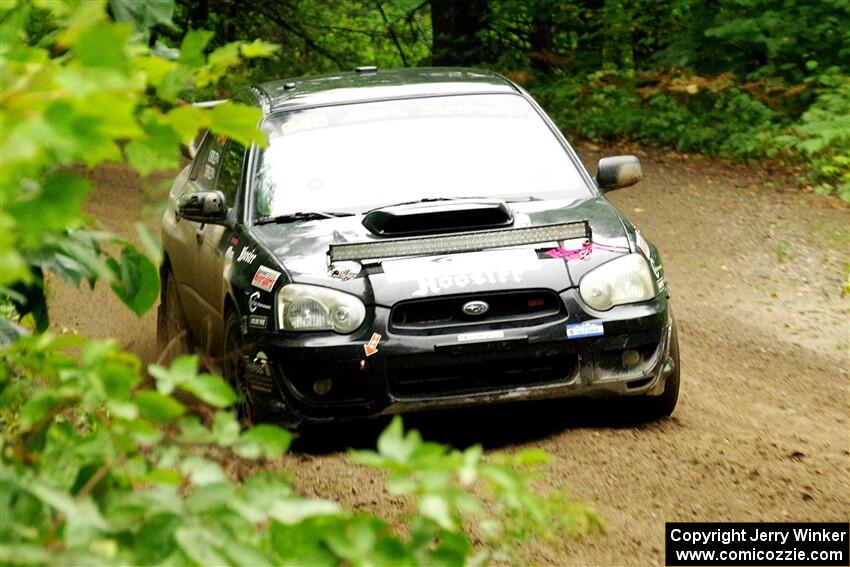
453	243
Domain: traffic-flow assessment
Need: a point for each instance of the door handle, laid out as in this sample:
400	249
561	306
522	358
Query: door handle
199	234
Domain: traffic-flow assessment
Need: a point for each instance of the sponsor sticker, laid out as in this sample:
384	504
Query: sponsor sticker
344	271
209	171
265	278
229	253
458	271
247	256
593	328
254	303
481	336
258	321
372	346
213	157
656	268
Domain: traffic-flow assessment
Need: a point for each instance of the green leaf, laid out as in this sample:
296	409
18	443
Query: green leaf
183	369
104	46
38	406
225	56
192	47
295	510
394	445
239	122
187	121
469	471
23	554
155	541
159	149
164	476
210	496
158	407
202	471
211	389
437	508
532	457
225	429
355	540
172	83
258	48
83	510
265	440
57	206
135	280
242	554
195	542
149	241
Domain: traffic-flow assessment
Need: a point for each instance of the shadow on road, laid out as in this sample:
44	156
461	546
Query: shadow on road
494	427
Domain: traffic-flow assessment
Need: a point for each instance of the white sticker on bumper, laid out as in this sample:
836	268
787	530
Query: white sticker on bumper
481	336
593	328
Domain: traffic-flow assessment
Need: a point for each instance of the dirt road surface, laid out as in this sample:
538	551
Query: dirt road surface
762	431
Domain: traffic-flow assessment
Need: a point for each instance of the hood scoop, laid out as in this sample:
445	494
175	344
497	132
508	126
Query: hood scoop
456	215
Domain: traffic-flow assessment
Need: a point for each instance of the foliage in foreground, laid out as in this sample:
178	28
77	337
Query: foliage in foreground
98	467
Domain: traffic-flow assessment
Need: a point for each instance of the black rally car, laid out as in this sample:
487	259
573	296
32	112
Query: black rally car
409	240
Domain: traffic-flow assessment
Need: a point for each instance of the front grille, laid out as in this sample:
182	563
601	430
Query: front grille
451	375
440	312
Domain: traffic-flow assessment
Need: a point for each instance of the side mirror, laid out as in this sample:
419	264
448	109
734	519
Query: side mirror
203	206
617	172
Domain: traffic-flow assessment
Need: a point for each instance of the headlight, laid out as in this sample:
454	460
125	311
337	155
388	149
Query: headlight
624	280
312	308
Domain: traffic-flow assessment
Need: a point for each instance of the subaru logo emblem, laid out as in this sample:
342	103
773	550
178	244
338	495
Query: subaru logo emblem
475	308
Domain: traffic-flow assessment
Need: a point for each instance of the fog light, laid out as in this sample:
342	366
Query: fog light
631	358
322	387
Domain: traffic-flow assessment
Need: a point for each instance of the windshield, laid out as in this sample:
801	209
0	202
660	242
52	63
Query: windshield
355	157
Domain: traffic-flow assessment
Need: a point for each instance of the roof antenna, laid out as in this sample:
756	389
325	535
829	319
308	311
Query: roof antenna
366	70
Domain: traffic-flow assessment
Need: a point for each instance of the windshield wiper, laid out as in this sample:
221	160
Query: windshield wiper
303	216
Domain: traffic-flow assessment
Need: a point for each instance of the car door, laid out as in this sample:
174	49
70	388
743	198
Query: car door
214	241
184	234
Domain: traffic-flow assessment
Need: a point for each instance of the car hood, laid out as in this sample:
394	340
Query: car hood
302	248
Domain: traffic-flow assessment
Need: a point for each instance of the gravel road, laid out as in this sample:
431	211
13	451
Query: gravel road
762	431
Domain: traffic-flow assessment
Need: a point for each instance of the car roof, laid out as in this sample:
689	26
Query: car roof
377	84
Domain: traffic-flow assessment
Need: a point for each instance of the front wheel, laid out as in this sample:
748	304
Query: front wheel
234	369
249	408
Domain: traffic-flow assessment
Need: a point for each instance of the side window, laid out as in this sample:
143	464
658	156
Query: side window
231	171
208	161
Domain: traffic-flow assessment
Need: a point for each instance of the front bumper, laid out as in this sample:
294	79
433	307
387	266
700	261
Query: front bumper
417	372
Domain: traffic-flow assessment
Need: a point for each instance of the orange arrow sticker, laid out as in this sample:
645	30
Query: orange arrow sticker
372	346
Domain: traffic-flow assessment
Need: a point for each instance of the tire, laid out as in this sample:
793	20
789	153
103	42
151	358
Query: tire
172	328
234	369
656	407
249	408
